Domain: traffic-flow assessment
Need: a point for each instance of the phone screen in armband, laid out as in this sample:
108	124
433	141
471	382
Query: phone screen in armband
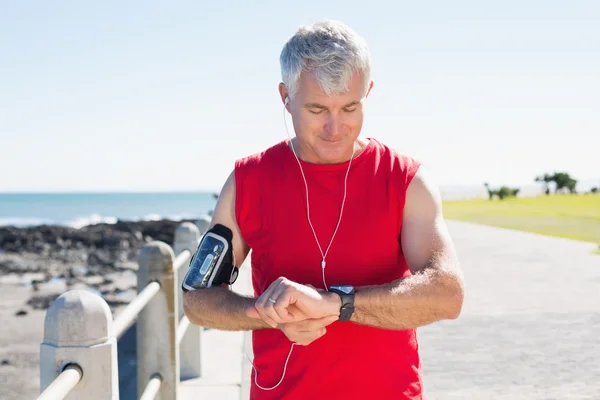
206	262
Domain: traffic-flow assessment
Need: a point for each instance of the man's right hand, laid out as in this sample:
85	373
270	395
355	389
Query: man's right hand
307	331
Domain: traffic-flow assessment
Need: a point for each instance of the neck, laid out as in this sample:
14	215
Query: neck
305	153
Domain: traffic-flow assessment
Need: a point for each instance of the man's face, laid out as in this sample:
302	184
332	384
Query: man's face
327	126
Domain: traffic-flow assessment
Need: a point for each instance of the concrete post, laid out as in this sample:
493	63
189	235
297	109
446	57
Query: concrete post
187	237
77	330
203	223
157	323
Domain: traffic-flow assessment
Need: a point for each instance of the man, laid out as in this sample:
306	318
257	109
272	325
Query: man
350	252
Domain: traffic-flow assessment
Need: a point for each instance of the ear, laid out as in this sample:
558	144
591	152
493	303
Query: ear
283	92
369	89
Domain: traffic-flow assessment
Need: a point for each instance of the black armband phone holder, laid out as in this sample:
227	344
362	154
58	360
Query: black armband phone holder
213	263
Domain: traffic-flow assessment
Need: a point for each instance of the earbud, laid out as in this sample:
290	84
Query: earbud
287	100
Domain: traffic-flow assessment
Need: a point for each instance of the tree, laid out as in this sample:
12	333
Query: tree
505	192
546	179
562	181
490	191
502	193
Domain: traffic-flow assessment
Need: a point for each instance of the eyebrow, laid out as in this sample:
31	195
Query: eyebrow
317	105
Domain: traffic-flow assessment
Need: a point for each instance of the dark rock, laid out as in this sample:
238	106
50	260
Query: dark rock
123	235
81	257
5	362
100	257
94	250
42	302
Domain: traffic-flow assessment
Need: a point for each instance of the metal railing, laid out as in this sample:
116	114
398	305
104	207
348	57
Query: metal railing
79	353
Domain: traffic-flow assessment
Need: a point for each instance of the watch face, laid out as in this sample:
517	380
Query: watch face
344	288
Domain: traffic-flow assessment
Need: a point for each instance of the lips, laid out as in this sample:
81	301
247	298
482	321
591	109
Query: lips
331	141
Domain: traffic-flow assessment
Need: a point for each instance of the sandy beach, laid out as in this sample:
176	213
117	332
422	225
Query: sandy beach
22	328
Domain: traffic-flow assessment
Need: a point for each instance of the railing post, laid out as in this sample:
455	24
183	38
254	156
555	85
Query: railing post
187	237
157	323
77	330
203	223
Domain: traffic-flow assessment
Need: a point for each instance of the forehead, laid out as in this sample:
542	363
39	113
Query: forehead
309	89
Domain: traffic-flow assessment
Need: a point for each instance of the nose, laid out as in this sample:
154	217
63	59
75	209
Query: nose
333	126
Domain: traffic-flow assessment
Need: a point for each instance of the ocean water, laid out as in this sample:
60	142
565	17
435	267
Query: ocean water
81	209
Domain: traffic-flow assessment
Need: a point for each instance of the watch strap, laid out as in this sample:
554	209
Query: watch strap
347	308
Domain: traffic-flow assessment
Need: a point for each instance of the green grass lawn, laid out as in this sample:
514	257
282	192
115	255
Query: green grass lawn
568	216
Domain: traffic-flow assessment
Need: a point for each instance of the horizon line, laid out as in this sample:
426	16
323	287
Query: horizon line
211	191
101	191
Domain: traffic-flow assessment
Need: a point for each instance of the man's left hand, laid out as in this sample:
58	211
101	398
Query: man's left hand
287	301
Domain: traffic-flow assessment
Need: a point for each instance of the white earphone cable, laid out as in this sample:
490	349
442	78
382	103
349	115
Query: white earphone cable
323	255
282	375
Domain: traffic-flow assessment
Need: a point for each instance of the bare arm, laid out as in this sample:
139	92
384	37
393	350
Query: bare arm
219	307
435	291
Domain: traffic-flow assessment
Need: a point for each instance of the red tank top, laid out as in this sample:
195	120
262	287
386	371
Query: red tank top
350	361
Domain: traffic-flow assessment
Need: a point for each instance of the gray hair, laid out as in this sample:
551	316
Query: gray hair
331	51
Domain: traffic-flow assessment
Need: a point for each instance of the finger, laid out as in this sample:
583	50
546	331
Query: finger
295	314
300	328
307	338
311	325
265	307
262	304
268	320
311	302
277	310
315	288
252	313
262	308
282	303
319	323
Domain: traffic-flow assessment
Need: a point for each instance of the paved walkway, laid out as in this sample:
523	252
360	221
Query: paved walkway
225	359
530	327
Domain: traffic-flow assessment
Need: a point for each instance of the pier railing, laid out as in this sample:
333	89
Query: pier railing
78	356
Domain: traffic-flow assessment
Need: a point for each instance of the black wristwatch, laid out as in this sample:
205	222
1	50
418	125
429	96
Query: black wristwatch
346	292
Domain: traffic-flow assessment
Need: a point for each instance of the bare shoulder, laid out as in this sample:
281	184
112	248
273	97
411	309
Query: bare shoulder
423	197
424	235
224	214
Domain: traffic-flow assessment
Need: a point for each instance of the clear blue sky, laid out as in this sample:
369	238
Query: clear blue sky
166	95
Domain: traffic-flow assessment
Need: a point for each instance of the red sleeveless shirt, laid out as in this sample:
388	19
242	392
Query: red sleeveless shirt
350	361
